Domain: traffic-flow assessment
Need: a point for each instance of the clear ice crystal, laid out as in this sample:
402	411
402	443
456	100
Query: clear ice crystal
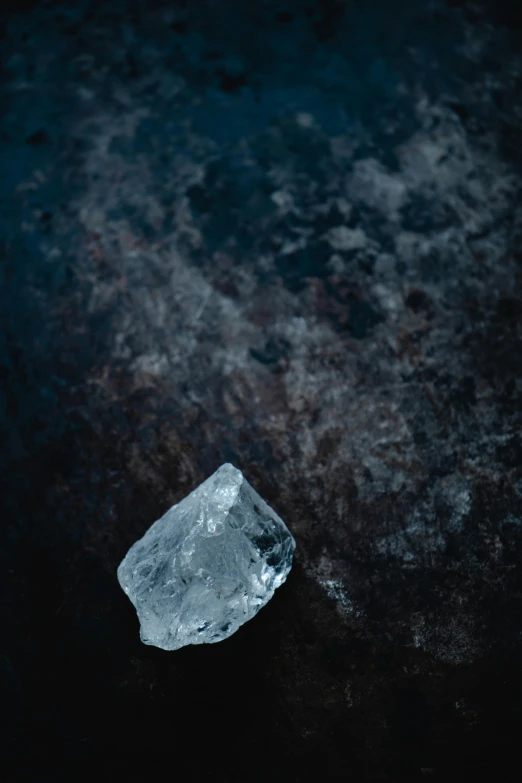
208	565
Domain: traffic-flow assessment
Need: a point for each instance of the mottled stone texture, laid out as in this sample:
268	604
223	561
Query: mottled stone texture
208	565
285	235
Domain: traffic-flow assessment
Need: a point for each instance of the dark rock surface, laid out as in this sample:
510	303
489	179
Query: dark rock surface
285	235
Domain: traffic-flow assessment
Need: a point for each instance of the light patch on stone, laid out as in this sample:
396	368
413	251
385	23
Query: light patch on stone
343	238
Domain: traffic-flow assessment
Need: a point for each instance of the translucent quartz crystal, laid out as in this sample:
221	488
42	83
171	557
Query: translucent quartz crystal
208	565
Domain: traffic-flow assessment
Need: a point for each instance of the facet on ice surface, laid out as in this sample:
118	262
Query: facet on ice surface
208	565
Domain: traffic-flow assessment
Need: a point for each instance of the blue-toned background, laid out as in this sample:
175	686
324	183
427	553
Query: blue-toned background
285	235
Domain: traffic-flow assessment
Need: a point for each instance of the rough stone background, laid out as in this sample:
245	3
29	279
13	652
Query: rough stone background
286	235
